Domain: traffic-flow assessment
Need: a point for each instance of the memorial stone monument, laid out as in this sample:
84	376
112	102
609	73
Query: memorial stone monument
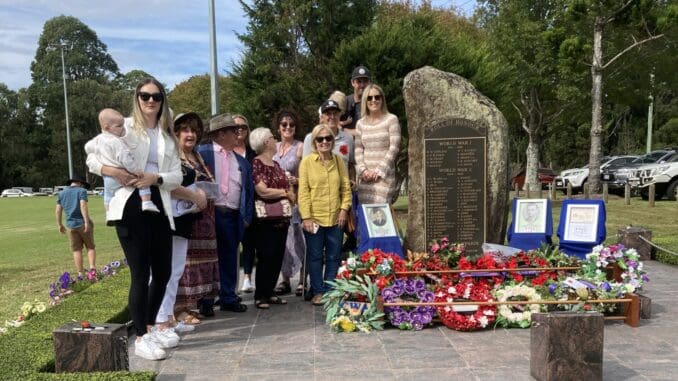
458	162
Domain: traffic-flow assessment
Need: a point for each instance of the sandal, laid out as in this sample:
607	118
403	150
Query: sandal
188	318
277	300
260	304
283	288
300	290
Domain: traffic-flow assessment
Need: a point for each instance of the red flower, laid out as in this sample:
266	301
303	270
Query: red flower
343	149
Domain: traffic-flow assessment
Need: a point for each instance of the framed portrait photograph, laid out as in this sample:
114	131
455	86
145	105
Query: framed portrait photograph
530	216
379	220
581	222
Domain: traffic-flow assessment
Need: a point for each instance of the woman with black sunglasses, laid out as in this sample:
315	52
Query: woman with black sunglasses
377	143
324	203
146	237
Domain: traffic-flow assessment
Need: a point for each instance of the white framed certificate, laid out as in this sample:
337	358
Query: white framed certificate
530	216
379	220
581	222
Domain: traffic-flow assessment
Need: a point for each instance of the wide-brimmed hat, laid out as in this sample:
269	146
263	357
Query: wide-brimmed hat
360	72
329	104
221	121
78	179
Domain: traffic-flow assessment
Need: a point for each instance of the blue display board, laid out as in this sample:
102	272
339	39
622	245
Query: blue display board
531	224
582	226
371	230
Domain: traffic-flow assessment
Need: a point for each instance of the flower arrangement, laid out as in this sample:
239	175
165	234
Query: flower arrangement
577	288
486	261
412	290
628	260
28	310
344	317
516	315
446	251
466	318
530	259
374	262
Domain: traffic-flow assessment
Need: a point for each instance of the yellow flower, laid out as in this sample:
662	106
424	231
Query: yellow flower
347	326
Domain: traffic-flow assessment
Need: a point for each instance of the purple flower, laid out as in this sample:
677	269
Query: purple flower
552	288
419	285
426	318
116	264
52	290
645	278
105	269
587	284
65	280
399	282
418	325
388	295
397	289
605	286
416	316
410	286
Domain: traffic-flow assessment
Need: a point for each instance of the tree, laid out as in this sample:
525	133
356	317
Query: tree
288	45
193	95
525	37
628	18
89	72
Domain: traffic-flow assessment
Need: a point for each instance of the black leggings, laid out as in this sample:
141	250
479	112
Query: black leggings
146	240
270	237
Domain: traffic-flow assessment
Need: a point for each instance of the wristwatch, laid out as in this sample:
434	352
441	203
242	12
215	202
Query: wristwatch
160	181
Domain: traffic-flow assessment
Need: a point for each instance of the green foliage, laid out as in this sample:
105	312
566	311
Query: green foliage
193	95
349	289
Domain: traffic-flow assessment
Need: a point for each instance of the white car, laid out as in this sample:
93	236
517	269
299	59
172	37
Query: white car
12	193
664	176
579	176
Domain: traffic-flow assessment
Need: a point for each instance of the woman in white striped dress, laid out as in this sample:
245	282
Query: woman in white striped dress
377	144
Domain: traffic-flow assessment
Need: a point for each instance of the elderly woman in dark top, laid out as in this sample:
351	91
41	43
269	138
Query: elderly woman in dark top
270	185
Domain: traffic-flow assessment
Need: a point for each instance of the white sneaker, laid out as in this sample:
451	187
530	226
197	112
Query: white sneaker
247	286
146	348
165	338
182	327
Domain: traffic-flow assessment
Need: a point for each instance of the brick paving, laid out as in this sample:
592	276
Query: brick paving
292	342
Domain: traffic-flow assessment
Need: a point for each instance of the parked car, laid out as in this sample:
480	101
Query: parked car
12	193
579	176
617	175
664	176
46	191
99	191
27	191
545	175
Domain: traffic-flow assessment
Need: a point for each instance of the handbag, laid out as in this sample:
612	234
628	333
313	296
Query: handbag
273	210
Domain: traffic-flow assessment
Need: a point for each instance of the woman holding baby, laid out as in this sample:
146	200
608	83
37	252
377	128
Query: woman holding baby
146	236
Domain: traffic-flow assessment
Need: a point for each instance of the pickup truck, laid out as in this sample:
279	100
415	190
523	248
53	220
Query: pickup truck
664	176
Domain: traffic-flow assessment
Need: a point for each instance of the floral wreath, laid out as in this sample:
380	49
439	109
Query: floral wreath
364	317
530	260
472	290
376	263
517	315
487	261
405	317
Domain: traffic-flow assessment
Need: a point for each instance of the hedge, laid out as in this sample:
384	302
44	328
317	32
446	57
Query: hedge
27	352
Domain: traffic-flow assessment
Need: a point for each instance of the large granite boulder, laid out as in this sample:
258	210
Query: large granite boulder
458	162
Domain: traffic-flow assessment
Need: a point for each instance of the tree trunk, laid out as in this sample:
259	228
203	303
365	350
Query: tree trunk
532	166
596	107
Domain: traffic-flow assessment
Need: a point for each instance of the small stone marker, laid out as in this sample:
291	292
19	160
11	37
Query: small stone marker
98	349
631	237
567	346
458	162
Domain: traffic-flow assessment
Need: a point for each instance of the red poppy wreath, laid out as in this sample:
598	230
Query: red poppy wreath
466	317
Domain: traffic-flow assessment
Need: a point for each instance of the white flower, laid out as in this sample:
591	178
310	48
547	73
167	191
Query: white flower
483	321
452	290
447	308
440	294
350	261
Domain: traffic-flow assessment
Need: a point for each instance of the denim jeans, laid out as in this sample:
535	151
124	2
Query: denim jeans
326	241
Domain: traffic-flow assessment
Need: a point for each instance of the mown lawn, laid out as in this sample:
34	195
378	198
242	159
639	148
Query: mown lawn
33	253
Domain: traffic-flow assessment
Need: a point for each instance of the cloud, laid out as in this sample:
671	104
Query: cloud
169	39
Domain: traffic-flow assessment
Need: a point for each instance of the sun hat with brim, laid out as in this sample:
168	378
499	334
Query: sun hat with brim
78	179
186	116
221	121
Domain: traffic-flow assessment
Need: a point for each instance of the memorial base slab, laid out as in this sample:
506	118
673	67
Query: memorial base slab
94	350
567	346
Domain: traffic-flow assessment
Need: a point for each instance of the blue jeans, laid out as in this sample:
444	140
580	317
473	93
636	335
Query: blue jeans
326	241
229	235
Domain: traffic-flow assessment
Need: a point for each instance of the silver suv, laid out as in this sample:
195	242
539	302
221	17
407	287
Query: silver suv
664	176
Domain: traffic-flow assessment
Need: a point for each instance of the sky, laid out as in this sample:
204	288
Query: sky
168	39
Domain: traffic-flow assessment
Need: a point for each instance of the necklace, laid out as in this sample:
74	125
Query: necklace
283	150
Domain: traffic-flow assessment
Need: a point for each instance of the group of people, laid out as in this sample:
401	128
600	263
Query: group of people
182	204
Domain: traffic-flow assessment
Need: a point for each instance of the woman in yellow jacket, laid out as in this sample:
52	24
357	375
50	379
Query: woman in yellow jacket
324	202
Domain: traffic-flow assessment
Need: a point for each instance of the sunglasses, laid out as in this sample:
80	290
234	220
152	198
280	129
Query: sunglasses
287	125
240	127
375	98
320	139
158	97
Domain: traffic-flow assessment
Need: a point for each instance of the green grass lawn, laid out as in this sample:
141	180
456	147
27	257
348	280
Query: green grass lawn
33	253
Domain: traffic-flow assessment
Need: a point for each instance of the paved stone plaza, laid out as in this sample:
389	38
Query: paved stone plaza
292	342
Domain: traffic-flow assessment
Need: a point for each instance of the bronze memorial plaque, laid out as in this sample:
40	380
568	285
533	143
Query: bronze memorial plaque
455	178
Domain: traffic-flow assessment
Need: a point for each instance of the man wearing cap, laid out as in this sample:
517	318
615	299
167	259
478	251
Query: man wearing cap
73	201
343	142
234	206
360	78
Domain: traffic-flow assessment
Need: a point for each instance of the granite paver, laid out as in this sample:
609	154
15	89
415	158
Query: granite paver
292	342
